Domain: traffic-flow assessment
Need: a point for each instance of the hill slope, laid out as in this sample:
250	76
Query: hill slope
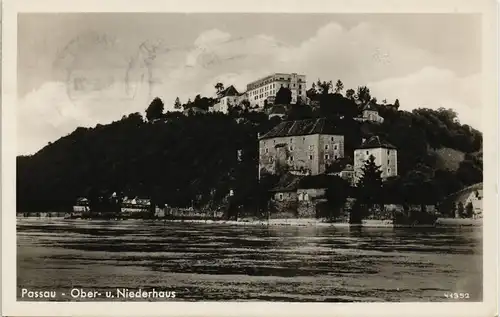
184	160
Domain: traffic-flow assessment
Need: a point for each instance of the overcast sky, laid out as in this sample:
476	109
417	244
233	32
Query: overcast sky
83	69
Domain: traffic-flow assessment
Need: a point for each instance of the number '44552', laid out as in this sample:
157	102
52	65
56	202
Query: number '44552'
457	295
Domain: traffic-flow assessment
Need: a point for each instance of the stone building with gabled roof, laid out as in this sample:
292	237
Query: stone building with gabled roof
303	147
226	98
370	113
385	154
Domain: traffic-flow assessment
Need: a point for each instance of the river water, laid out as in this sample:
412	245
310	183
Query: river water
248	263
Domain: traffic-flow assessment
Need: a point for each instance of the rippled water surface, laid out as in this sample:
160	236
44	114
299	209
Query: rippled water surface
228	262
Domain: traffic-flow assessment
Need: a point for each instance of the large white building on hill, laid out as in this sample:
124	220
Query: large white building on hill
266	88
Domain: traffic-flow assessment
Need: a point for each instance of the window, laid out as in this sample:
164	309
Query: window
291	147
291	140
303	138
271	159
331	139
300	92
367	153
388	161
280	196
267	150
310	157
310	147
326	146
388	152
291	158
388	170
327	157
300	86
336	156
293	85
335	147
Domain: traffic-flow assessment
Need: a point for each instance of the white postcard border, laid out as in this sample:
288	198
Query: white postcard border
488	307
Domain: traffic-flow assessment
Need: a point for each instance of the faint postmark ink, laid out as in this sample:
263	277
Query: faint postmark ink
139	72
96	67
381	57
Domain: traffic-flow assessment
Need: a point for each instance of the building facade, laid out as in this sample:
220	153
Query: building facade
304	147
228	97
385	154
370	113
266	88
476	199
347	173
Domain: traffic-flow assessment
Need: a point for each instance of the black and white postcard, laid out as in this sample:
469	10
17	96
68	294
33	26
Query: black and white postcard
279	158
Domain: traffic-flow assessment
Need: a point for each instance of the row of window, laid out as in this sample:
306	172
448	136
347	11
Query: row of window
266	82
327	157
311	147
301	196
264	95
272	89
311	157
304	138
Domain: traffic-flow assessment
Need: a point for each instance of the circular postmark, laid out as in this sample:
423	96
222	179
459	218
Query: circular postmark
96	66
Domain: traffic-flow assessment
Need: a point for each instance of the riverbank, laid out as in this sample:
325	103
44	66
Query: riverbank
440	222
307	222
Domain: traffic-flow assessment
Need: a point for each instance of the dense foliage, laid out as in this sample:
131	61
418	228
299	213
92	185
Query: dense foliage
195	160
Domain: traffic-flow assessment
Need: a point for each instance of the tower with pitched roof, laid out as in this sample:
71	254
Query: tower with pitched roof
385	154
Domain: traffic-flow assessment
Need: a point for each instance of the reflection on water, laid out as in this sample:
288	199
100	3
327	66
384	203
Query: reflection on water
224	262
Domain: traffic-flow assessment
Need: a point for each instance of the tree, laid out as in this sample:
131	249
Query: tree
349	94
396	104
299	112
453	210
339	86
220	88
188	104
470	171
155	109
370	185
283	96
177	104
469	210
324	87
363	94
460	209
336	194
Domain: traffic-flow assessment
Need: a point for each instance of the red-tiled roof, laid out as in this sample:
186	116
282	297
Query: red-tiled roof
302	127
